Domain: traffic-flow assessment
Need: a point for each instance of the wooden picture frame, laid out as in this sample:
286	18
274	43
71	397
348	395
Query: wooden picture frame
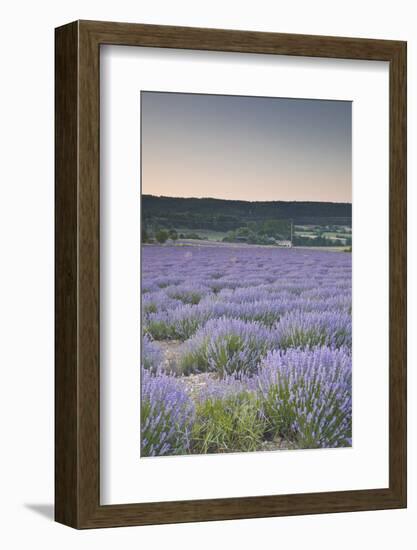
77	359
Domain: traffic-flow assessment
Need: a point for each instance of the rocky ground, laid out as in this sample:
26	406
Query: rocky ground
172	351
196	382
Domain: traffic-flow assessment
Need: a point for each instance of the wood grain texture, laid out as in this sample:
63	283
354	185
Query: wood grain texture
66	237
398	273
78	285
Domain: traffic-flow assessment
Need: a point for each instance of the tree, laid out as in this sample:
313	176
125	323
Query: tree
161	236
173	234
276	228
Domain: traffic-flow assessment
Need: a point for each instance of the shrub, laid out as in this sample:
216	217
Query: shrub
155	301
167	415
307	396
151	354
187	293
226	346
178	324
161	236
308	329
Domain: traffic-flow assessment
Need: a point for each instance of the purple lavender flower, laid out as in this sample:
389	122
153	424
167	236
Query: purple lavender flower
223	387
227	346
151	354
308	329
167	415
307	395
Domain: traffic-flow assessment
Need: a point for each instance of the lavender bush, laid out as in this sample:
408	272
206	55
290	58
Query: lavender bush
227	346
307	396
151	354
167	415
313	328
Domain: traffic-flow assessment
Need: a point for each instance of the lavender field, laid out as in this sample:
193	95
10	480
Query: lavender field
245	348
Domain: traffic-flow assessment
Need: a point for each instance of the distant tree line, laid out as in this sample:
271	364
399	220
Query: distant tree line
229	215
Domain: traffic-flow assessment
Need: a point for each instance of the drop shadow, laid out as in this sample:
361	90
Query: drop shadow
45	510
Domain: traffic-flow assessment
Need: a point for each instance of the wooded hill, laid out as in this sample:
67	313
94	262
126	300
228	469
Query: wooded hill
226	215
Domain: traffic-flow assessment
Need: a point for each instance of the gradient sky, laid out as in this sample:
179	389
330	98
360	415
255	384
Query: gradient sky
247	148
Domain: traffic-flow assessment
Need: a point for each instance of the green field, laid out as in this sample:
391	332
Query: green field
343	234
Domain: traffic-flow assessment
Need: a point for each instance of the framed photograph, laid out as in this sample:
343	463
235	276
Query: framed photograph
230	274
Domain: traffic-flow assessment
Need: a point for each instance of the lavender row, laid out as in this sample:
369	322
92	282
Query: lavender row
302	396
184	288
183	321
271	331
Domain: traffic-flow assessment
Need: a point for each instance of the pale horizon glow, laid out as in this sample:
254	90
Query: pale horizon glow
246	148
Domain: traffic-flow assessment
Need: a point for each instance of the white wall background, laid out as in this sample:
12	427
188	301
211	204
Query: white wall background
26	272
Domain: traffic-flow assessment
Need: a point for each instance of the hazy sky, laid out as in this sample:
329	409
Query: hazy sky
247	148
